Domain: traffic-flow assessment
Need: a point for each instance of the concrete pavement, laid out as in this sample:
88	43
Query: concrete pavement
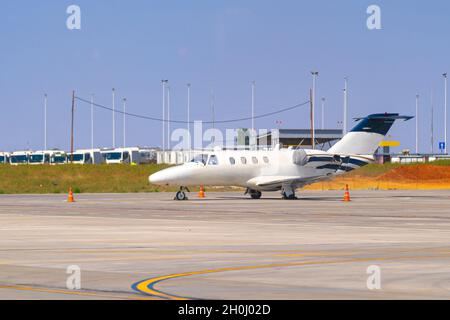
147	246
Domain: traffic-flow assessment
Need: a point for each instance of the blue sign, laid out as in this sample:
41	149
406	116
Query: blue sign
441	145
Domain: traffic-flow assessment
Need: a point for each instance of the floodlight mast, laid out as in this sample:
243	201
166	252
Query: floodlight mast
45	121
417	124
164	82
313	104
445	112
344	131
113	117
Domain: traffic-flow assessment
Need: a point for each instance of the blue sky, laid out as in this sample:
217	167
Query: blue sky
220	46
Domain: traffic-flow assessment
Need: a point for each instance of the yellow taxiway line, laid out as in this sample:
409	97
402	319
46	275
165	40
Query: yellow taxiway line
148	286
70	292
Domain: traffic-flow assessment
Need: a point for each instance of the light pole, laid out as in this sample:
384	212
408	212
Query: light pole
92	121
345	105
114	117
313	97
323	113
253	134
213	112
417	124
168	117
445	112
189	116
253	105
164	82
71	127
45	121
124	121
432	124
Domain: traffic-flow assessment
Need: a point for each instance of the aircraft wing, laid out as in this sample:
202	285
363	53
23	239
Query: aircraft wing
275	182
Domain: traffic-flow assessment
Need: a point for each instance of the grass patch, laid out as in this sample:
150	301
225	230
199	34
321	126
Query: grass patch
372	170
441	163
42	179
82	178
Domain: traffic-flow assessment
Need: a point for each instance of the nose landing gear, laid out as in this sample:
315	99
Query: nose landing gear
181	195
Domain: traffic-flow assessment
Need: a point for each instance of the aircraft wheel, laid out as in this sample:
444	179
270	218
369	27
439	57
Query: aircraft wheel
255	194
180	196
288	196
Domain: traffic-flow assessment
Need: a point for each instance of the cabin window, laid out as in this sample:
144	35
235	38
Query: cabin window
255	160
232	160
213	160
200	158
266	159
244	160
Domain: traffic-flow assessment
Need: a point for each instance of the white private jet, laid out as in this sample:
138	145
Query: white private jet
280	169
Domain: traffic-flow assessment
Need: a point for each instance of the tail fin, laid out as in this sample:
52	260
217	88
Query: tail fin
365	137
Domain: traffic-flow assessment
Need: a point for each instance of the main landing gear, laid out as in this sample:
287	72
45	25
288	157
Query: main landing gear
181	195
288	193
254	194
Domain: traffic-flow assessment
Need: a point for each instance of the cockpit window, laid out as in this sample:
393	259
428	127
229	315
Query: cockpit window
213	160
200	158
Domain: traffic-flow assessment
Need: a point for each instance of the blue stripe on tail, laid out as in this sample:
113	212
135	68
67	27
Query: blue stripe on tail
378	123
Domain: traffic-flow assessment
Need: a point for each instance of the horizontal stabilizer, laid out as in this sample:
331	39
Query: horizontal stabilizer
365	137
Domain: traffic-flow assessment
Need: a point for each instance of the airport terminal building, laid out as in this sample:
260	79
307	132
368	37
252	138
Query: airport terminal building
324	138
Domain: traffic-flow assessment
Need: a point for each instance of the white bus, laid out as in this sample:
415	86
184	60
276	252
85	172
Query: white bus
121	155
39	157
19	157
58	157
147	155
4	157
88	156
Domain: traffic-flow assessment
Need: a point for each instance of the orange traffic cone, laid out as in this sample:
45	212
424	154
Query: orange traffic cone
346	194
70	197
201	193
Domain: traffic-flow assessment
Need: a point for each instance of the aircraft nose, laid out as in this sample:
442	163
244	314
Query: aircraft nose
157	177
167	176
